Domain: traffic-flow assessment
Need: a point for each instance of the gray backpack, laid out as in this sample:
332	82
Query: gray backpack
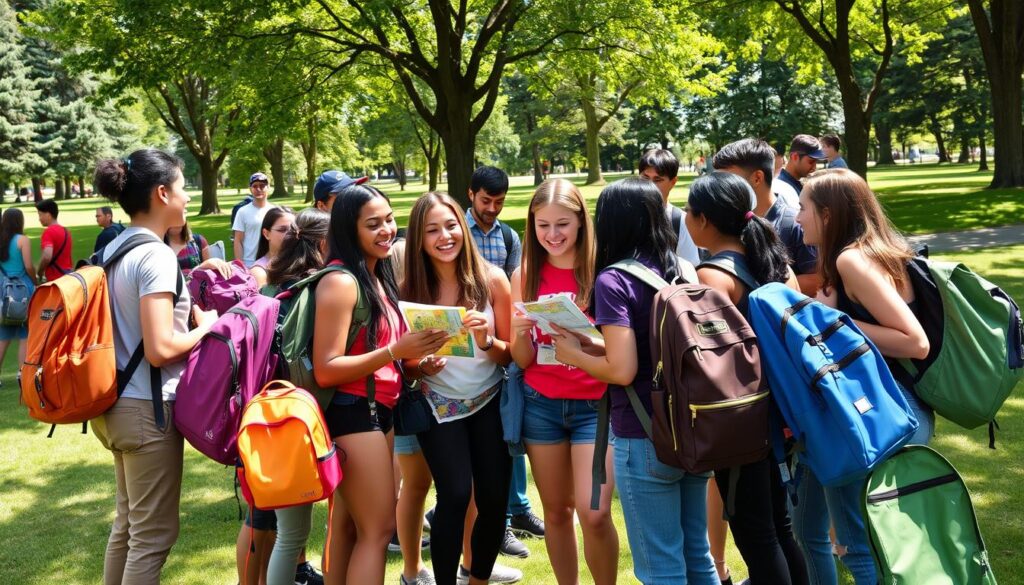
14	296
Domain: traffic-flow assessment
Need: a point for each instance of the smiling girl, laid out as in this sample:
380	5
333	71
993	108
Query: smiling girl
361	231
560	415
463	446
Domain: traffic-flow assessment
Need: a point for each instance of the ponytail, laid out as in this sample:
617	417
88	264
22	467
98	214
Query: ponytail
130	181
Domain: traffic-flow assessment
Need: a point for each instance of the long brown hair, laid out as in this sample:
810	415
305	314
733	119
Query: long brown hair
421	284
300	253
12	224
564	194
855	218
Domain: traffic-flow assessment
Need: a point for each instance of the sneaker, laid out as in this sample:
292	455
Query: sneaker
428	519
424	577
527	524
394	547
499	574
305	574
512	547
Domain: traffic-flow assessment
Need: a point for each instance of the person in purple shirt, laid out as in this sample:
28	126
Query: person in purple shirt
664	507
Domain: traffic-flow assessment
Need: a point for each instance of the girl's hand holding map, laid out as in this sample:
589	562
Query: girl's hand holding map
584	342
431	365
476	323
522	323
417	344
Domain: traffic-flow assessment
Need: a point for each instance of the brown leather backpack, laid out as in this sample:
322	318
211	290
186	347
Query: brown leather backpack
710	401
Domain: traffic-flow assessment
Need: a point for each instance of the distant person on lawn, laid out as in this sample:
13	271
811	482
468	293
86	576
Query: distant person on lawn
249	220
55	243
16	262
831	145
109	231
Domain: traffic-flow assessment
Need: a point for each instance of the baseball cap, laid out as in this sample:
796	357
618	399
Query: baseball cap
258	177
807	145
332	182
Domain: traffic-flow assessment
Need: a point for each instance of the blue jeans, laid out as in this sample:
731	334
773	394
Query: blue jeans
666	513
817	504
518	503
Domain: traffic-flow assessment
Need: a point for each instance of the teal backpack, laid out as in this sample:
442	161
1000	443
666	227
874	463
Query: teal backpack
921	524
976	355
298	316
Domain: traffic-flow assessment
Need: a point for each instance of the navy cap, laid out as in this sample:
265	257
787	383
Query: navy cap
255	177
807	145
331	182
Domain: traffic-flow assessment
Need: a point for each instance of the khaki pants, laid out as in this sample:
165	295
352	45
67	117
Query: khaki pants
147	465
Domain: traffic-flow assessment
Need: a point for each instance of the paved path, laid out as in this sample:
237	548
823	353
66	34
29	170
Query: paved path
972	239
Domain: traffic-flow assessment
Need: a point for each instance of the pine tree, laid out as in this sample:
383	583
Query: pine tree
18	94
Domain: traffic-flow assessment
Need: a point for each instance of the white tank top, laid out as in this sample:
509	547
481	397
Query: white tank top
466	378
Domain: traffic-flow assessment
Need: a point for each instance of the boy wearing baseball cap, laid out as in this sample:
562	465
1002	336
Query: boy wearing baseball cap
329	184
249	219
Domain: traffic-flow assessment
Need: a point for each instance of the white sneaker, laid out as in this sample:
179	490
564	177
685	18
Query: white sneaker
499	574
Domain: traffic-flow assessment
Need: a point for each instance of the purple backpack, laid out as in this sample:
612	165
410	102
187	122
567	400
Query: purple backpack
225	370
210	290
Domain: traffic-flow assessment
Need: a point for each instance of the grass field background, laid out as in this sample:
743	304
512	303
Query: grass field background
56	495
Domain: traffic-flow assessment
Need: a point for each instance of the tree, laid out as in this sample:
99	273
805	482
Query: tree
18	92
1000	30
164	52
458	52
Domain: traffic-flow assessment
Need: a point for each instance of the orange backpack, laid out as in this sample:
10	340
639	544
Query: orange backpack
286	454
70	372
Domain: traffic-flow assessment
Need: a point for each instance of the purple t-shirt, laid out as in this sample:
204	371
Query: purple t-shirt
620	299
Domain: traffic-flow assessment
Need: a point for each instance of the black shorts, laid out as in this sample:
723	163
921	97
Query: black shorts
261	519
349	414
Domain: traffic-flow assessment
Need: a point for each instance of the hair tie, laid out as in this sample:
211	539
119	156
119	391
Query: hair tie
298	233
127	164
748	216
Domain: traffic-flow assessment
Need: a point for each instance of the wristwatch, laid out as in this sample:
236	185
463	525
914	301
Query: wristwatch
487	346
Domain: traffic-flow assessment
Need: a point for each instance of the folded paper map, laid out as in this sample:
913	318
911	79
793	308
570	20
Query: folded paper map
562	311
420	317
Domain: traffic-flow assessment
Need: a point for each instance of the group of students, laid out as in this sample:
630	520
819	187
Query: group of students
838	244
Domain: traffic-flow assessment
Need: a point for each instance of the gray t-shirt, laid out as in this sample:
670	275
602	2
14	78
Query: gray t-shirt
148	269
249	221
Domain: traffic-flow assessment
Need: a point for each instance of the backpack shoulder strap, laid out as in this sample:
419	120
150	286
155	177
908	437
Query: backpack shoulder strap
726	263
643	273
64	244
506	235
677	219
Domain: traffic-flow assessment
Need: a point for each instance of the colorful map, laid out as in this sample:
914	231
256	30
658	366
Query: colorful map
421	317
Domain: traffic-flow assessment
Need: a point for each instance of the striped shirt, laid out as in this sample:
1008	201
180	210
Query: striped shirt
492	245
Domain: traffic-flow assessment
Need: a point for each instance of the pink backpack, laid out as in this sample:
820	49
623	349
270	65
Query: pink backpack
225	370
210	290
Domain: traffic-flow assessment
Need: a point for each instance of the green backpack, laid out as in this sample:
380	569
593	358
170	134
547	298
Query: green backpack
298	317
921	524
975	331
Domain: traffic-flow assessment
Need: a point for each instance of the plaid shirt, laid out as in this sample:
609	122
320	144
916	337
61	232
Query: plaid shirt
492	245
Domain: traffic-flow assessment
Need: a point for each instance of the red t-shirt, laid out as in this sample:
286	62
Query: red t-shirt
54	236
560	381
388	381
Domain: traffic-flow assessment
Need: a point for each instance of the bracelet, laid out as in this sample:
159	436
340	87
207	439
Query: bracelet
390	353
487	346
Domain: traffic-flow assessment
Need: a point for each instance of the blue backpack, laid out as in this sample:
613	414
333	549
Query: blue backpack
831	385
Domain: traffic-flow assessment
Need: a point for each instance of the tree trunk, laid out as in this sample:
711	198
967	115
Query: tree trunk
67	186
940	141
459	142
983	162
308	147
538	165
593	143
37	189
81	184
1001	35
883	133
58	189
274	153
857	122
3	191
208	182
965	149
399	165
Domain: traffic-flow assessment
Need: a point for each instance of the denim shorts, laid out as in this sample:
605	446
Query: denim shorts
261	519
549	421
406	445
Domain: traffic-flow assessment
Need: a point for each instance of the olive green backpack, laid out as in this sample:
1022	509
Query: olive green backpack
296	323
921	524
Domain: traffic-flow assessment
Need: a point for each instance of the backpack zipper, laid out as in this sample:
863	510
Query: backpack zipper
234	363
911	489
695	408
672	422
252	320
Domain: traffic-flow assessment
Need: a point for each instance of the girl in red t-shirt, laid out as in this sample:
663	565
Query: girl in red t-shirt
560	415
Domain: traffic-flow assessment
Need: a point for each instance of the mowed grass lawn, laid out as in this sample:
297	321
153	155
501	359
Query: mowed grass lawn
56	495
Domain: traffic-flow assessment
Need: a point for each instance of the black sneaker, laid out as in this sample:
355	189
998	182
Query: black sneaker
512	547
527	524
428	519
305	574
